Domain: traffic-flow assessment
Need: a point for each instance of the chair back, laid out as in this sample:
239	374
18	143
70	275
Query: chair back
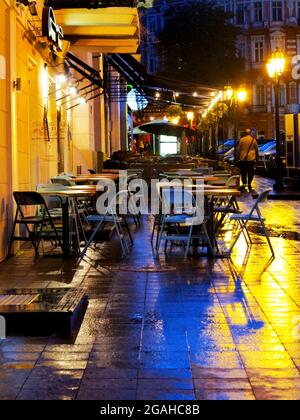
178	200
29	198
50	187
233	181
120	198
166	185
62	181
263	196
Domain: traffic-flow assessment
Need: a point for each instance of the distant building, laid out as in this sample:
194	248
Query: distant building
265	24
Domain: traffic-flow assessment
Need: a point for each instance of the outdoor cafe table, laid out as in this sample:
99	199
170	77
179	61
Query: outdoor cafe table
211	194
68	194
95	178
193	178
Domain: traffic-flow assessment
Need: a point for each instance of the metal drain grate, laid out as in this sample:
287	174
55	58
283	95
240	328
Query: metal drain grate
16	300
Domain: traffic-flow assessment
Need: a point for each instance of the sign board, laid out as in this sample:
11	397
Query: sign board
136	100
290	134
2	68
51	29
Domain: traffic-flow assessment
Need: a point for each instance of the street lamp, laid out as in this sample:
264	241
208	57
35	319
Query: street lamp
235	97
275	67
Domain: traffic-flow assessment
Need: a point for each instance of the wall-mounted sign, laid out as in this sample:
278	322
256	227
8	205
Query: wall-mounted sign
51	29
136	100
2	68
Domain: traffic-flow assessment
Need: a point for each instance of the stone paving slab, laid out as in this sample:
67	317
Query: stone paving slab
162	327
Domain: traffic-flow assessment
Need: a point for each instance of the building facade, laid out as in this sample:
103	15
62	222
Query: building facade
265	25
44	130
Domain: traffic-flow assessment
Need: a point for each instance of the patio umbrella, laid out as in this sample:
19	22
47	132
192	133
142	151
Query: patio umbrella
137	131
165	128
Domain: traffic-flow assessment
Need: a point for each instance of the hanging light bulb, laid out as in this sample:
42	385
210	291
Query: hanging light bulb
61	78
73	90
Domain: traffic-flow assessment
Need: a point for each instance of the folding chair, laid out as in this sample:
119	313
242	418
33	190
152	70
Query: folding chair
227	205
158	217
244	219
180	210
39	221
110	217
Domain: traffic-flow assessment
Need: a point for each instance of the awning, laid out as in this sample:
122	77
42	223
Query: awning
84	69
132	70
136	74
105	30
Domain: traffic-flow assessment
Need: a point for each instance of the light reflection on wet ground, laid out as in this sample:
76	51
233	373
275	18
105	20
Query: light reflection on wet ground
160	328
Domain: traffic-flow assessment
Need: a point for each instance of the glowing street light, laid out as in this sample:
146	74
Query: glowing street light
275	68
241	95
276	64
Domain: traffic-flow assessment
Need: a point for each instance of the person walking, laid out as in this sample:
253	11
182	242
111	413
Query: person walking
247	155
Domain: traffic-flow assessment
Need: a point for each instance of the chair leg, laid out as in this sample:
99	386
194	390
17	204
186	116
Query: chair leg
98	227
128	230
209	244
153	230
159	221
12	238
121	239
267	237
160	234
188	242
235	240
245	233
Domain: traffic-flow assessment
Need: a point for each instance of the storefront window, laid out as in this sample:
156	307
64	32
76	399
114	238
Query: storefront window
168	145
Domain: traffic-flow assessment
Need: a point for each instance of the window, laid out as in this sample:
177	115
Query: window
241	50
292	93
278	41
298	43
152	24
240	18
258	11
152	64
260	95
168	145
277	11
258	50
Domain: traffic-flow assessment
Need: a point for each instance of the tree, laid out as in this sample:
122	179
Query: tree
198	44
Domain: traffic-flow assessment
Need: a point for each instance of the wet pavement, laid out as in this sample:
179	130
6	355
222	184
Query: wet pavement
165	328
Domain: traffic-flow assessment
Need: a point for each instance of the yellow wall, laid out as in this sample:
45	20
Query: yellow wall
4	150
27	158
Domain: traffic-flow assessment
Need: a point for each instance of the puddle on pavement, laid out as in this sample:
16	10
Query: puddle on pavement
146	269
276	231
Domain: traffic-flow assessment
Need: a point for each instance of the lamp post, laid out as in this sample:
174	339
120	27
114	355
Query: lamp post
235	97
275	67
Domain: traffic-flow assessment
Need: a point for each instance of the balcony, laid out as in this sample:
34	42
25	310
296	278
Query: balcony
292	108
258	109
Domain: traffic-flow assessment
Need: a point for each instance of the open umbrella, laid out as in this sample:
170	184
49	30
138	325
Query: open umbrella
138	132
165	128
